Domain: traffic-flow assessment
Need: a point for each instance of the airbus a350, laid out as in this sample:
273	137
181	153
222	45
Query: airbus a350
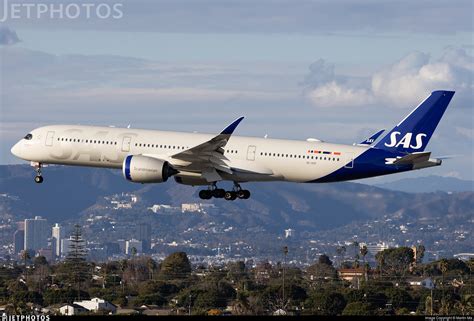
152	156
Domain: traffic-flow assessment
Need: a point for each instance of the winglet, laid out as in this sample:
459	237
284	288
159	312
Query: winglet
230	129
369	141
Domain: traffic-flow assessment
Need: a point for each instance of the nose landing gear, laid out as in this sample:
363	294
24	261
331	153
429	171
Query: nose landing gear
39	176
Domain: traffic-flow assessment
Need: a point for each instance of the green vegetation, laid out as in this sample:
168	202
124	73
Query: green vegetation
237	288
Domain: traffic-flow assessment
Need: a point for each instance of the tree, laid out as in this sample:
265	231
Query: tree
76	263
420	253
443	267
395	261
358	308
341	251
364	251
25	255
324	259
399	298
176	266
325	303
40	260
355	244
151	265
322	270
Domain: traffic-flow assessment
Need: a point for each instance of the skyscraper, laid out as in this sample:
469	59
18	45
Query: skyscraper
19	237
36	233
57	234
18	241
144	235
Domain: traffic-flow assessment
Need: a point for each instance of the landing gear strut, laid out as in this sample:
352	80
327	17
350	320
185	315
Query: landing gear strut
241	193
39	176
214	191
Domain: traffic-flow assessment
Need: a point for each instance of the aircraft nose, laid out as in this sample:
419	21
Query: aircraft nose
16	149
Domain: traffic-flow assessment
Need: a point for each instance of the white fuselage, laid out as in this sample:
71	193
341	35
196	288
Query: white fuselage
258	159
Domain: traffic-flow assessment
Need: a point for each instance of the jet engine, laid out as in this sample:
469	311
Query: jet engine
144	169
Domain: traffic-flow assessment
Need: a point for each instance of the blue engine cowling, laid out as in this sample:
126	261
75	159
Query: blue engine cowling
144	169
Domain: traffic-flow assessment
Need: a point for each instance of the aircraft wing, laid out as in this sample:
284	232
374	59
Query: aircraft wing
208	158
369	141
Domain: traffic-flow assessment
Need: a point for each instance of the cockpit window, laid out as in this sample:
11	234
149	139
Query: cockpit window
28	137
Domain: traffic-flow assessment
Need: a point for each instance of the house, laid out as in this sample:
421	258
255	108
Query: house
351	274
124	311
152	309
96	304
71	309
421	282
280	312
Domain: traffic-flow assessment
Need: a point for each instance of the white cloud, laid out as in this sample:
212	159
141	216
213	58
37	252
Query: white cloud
333	94
402	84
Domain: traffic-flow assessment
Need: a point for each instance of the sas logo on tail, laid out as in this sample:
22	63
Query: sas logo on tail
405	141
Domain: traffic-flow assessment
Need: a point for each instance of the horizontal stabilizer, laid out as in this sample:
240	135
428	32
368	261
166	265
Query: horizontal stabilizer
413	158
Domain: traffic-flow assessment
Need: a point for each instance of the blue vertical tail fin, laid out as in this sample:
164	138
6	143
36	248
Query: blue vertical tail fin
413	133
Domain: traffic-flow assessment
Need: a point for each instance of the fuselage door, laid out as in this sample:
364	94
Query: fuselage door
126	144
251	152
349	159
49	139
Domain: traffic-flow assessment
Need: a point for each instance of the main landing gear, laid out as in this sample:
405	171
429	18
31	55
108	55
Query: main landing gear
213	191
38	177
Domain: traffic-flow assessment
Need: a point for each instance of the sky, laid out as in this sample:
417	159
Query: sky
333	70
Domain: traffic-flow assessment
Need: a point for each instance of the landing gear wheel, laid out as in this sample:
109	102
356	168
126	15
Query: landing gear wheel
38	177
205	194
218	193
243	194
230	195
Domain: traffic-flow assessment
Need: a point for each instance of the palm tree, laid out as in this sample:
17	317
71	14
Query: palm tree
25	255
363	252
355	244
151	265
443	266
341	251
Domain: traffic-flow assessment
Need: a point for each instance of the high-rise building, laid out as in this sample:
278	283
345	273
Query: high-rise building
144	235
18	241
57	234
129	245
375	248
289	233
36	233
65	246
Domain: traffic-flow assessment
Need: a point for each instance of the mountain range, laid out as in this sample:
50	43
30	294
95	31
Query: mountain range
334	211
429	184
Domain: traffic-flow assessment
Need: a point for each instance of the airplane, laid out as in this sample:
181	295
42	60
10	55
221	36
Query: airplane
152	156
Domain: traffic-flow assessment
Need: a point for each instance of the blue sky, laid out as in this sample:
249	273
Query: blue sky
335	70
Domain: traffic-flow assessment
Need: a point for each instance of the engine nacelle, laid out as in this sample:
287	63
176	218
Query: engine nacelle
144	169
